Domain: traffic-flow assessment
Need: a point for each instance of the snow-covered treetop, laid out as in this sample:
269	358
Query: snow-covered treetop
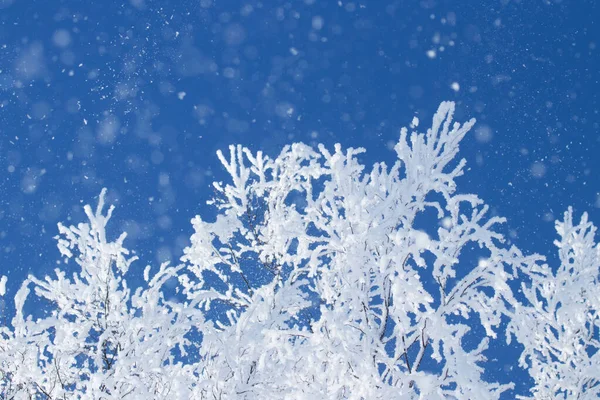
319	278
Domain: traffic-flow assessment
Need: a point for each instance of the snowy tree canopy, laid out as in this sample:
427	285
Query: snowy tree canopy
319	278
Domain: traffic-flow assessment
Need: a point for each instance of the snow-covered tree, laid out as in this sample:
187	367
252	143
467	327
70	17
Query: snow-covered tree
318	278
97	339
560	324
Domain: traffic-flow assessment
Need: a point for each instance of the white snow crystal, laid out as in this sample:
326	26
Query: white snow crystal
317	23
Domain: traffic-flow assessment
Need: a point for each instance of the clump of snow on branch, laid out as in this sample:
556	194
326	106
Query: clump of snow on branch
3	280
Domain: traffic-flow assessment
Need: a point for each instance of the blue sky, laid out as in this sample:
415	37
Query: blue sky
137	96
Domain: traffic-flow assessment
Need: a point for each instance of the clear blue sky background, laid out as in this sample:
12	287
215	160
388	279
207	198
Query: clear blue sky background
138	95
